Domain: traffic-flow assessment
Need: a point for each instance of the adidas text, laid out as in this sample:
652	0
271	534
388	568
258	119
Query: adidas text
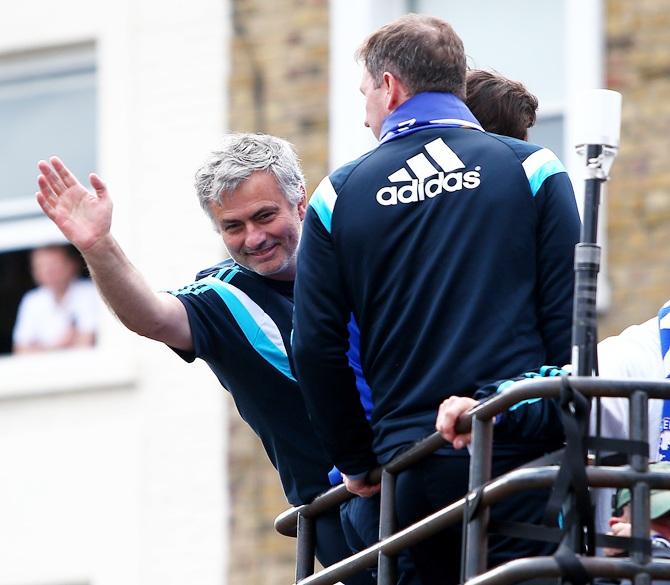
420	190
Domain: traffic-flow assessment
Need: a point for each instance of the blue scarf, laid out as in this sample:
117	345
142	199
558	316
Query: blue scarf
437	110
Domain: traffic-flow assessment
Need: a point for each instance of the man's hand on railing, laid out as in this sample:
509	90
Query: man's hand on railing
361	487
447	416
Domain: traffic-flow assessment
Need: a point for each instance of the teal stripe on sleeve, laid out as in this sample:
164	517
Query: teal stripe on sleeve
325	214
506	384
548	169
255	324
323	202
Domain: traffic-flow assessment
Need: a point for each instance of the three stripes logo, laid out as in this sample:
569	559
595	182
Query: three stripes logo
429	181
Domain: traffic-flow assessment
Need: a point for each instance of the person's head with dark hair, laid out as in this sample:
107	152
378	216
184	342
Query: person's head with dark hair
501	105
414	54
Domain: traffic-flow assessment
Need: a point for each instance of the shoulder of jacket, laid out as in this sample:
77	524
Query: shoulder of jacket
217	270
521	149
340	175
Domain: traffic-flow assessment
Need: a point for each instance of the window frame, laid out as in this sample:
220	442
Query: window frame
57	67
109	363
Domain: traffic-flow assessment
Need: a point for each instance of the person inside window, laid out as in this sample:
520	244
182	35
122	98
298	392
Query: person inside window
62	311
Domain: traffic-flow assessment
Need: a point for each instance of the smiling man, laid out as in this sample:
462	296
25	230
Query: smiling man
260	224
236	316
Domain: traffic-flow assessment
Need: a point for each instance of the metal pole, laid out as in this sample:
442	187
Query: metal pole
639	512
305	548
476	538
587	266
387	564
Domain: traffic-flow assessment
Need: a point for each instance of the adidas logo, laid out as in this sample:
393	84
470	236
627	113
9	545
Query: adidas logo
449	178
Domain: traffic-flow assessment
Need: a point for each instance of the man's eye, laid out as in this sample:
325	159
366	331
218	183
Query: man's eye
231	228
266	216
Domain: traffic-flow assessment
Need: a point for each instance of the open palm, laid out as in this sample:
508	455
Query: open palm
83	216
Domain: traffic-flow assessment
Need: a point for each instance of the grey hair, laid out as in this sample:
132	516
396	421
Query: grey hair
240	155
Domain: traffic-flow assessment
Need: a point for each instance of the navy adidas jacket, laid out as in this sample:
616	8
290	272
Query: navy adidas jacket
453	249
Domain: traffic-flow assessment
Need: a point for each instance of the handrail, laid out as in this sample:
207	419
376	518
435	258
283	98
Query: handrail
495	491
286	522
479	420
523	569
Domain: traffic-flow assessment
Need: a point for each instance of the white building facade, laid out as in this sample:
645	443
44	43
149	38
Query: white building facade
113	459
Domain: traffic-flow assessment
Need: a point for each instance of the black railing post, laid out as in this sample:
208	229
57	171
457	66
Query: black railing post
387	564
305	548
639	507
476	538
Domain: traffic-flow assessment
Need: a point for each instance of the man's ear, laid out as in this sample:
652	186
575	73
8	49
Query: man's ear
302	204
396	92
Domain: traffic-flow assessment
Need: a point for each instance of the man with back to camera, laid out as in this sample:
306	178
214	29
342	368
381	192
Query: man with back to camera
453	250
502	106
237	315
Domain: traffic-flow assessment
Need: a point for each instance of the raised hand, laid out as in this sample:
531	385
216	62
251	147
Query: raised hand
83	216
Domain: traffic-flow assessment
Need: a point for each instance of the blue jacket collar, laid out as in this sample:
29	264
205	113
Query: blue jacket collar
427	109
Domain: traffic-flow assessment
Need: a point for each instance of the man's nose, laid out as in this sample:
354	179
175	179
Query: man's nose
255	237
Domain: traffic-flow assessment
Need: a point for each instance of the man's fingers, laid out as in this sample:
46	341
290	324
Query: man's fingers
45	190
46	206
361	487
52	179
63	172
461	441
42	201
98	185
445	426
372	490
366	491
447	416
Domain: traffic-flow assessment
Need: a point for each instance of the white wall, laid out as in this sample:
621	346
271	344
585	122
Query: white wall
349	138
112	461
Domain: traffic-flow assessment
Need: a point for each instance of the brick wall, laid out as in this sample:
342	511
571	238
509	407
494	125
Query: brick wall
279	77
638	65
278	85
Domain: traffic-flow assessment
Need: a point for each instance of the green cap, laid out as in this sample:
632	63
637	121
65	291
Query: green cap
659	500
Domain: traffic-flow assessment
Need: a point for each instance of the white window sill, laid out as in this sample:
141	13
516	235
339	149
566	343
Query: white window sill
73	370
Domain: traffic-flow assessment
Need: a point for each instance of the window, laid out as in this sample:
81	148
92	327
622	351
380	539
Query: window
525	44
47	106
33	280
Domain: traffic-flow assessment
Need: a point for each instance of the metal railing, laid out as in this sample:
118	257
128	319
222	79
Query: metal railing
299	521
